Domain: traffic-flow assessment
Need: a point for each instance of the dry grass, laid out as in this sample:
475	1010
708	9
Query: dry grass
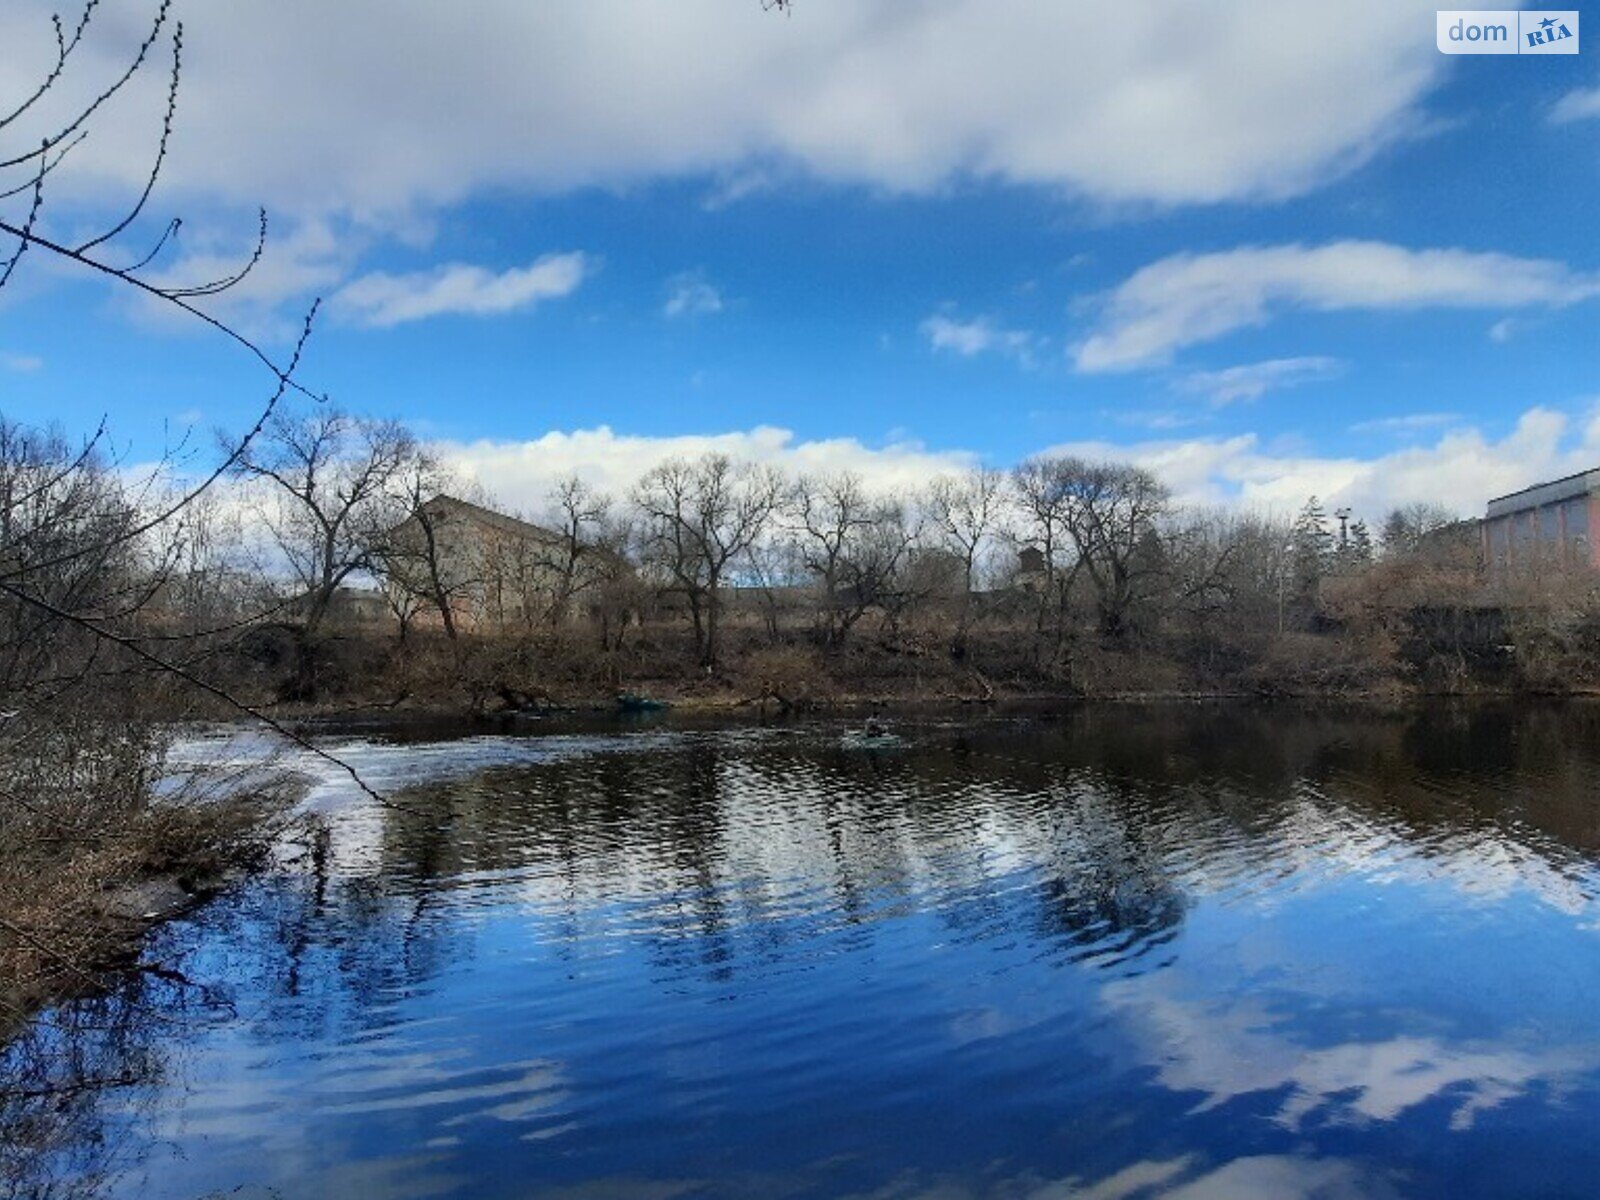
81	830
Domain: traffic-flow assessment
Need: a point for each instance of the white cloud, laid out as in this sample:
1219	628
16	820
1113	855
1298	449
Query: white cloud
1167	103
741	184
1406	423
1251	381
21	363
1462	470
1187	299
978	336
1502	330
302	259
689	295
1157	419
1246	1051
380	299
1577	105
519	473
1256	1177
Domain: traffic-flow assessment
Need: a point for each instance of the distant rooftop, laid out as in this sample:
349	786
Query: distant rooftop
488	516
1550	492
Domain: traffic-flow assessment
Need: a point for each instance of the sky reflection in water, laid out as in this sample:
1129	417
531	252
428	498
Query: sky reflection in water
1117	953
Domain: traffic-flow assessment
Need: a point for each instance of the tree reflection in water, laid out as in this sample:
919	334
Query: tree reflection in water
543	911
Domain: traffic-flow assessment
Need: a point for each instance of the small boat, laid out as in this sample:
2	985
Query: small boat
629	703
874	735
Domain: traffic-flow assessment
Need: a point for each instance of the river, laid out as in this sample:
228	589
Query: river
1113	951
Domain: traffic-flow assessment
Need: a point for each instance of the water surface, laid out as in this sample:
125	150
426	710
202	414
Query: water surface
1119	952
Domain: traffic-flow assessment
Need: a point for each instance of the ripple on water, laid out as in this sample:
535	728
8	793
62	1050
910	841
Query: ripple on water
1117	954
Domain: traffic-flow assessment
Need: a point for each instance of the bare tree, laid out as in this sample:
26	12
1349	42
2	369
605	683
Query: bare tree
63	516
1046	503
618	596
103	605
580	516
965	511
853	546
776	570
1112	514
201	561
826	514
876	574
697	520
1222	572
37	136
421	570
332	486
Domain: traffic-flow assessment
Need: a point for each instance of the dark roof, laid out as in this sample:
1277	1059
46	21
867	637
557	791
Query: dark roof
1533	487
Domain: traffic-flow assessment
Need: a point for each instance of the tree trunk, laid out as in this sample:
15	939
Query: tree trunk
708	656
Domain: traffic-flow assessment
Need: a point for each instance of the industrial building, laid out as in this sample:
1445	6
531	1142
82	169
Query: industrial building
1552	522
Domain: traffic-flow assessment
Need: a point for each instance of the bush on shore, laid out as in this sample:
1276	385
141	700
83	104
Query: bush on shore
91	854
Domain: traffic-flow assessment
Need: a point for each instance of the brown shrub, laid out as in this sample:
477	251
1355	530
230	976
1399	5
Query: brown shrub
82	831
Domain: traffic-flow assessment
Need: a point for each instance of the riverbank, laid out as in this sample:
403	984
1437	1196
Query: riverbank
787	671
710	704
82	884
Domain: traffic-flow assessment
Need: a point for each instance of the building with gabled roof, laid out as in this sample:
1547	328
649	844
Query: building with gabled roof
488	567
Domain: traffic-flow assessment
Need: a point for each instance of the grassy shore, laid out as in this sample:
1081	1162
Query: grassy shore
91	857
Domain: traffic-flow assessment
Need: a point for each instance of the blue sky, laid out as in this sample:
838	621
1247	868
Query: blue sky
1291	253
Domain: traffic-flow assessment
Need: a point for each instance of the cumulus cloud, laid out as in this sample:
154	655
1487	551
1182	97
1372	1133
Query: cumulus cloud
380	299
1577	105
978	336
1462	470
1169	102
1187	299
1251	381
690	295
519	473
